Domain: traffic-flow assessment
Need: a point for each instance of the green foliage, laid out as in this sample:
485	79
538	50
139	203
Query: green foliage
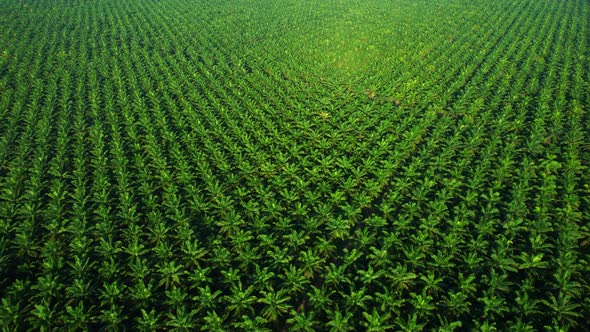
294	165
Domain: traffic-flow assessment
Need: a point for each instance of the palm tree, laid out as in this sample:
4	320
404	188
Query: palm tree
356	298
181	320
339	228
410	324
339	322
336	275
275	303
389	300
325	247
376	321
213	322
302	321
252	324
311	263
206	299
400	277
148	320
431	282
422	303
564	310
231	275
240	299
170	273
295	280
369	276
379	257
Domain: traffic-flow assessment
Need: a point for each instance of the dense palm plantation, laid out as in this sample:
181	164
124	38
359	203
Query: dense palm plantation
298	165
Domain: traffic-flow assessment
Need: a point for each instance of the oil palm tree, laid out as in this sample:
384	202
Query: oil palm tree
340	322
240	300
275	303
